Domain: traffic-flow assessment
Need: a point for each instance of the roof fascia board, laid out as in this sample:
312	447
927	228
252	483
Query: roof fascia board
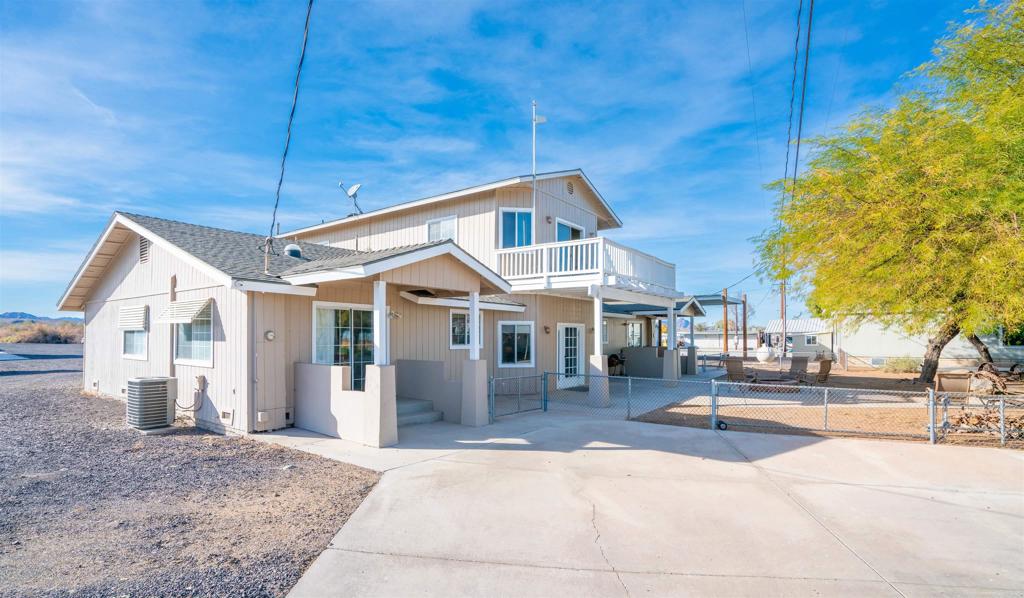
404	259
270	287
85	264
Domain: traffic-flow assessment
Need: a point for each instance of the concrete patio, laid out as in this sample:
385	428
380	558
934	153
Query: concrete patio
554	504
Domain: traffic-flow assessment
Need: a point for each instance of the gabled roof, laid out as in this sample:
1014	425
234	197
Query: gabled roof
612	221
232	257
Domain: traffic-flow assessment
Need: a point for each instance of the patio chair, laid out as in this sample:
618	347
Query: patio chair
797	368
734	371
821	377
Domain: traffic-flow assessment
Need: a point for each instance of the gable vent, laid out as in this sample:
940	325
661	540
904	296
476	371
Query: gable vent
143	250
569	187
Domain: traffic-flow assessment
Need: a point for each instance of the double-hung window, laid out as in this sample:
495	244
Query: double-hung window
440	229
516	227
515	349
343	335
458	327
634	334
132	321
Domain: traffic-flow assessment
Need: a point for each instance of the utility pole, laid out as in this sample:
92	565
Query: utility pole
782	312
725	320
744	325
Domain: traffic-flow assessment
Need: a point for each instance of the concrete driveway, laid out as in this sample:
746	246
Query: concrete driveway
548	506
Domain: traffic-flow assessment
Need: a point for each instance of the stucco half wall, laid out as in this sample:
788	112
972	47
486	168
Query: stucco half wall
325	404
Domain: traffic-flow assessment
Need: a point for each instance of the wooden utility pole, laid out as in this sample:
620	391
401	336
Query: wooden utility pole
725	320
744	325
782	312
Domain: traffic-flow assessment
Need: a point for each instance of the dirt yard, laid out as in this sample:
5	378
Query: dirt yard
91	508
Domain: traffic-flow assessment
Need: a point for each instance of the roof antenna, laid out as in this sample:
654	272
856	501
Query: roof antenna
351	192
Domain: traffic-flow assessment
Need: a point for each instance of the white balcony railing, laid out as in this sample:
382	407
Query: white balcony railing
587	261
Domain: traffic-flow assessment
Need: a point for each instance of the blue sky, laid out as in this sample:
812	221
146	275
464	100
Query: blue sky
178	109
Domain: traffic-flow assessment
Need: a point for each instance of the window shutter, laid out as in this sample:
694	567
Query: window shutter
143	250
182	312
132	317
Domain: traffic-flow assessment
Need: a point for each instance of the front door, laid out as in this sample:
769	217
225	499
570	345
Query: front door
570	355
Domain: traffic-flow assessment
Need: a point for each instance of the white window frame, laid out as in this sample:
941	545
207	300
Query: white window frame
336	305
810	339
640	337
480	328
533	343
144	356
201	363
501	227
570	224
455	227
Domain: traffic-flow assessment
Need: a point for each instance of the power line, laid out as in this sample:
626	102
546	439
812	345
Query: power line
792	85
288	134
803	94
753	98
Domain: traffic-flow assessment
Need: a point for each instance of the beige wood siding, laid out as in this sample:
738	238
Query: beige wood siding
477	219
128	282
442	272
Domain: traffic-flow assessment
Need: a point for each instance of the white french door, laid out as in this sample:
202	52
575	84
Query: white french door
571	348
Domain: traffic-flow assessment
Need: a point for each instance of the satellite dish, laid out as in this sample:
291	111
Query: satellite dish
351	193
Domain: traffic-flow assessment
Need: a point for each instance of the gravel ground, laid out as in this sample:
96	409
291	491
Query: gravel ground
89	507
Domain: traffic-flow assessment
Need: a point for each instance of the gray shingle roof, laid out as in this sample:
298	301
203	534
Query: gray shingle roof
355	258
239	255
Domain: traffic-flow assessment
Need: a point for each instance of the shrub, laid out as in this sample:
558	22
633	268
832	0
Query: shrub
41	332
902	365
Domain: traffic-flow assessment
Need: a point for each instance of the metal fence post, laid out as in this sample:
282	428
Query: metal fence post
931	415
629	396
544	391
490	399
1002	421
714	405
826	409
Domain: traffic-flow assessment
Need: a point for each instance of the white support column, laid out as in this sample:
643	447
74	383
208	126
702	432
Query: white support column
673	333
380	322
598	320
692	343
474	326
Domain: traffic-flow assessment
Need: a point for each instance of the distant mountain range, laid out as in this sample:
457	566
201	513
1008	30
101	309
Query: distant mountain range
20	316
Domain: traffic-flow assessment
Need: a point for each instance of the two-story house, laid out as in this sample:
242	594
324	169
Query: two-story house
353	326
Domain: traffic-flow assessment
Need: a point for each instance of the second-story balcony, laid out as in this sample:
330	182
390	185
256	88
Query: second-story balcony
585	262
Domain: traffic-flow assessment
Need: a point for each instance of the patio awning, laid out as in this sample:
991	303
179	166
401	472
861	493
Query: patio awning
182	312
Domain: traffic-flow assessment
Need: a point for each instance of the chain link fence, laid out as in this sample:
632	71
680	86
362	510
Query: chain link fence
788	408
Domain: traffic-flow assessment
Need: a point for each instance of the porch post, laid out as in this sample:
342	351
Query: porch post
692	343
474	326
672	332
380	322
598	321
597	388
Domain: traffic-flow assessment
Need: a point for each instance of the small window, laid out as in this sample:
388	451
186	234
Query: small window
440	229
458	327
193	342
143	250
516	228
810	339
516	347
133	344
604	331
634	334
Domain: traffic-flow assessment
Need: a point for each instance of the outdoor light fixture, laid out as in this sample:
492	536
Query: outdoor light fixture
547	330
269	335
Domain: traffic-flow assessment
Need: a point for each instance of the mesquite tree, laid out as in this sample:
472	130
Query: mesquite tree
913	215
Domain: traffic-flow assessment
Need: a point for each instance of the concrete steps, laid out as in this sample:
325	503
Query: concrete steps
417	411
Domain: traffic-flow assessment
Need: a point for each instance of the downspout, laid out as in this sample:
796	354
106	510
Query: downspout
172	294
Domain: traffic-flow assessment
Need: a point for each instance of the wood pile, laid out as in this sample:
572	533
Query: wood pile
987	422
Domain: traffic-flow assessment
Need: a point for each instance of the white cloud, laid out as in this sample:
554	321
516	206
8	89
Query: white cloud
29	266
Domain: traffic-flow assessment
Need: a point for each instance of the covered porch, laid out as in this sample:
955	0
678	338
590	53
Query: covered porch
379	339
